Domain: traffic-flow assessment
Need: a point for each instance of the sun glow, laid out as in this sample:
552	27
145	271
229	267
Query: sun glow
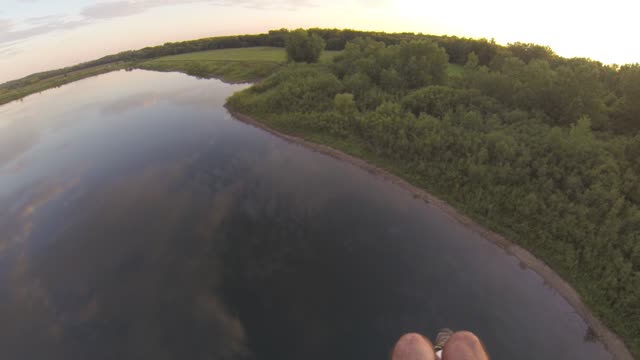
592	29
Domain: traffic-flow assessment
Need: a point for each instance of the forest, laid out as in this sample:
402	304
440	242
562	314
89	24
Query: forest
542	149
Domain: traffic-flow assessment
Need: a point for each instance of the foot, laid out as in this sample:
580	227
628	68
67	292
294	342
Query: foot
413	347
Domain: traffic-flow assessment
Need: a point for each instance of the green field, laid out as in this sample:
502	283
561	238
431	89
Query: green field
455	70
258	54
230	65
238	65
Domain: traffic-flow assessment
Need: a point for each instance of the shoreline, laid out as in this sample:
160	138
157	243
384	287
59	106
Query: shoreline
612	342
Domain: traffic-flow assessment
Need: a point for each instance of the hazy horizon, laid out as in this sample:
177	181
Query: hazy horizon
38	36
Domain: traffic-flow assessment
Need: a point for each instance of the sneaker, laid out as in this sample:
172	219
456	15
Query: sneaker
442	338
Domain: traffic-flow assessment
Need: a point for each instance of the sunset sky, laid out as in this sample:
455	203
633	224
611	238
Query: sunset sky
37	35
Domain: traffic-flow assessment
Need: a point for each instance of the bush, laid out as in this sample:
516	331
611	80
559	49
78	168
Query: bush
296	88
302	47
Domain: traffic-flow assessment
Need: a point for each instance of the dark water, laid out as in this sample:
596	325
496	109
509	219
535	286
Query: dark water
138	220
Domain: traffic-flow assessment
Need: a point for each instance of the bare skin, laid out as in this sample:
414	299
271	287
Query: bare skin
462	345
413	347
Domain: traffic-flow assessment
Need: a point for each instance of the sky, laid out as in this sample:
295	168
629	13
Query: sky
38	35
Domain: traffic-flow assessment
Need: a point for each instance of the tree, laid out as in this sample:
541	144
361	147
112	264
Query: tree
434	100
420	63
344	104
361	55
527	52
472	61
628	110
303	47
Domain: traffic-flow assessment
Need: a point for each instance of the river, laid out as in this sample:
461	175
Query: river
140	220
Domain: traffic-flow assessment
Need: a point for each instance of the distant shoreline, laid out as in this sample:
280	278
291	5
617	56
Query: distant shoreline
611	341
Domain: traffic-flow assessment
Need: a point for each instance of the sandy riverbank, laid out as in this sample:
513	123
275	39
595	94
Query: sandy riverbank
612	342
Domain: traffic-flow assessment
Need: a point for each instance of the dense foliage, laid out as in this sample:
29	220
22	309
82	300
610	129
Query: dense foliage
304	47
543	149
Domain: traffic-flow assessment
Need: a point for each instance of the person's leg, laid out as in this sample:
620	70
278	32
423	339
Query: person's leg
464	345
413	347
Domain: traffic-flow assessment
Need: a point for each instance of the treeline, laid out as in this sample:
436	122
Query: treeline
542	149
457	48
132	56
610	93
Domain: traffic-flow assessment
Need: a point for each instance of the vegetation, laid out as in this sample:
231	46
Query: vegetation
230	65
258	53
228	71
542	149
304	47
457	48
32	84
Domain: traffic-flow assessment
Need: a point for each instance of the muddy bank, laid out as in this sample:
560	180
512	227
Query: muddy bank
612	342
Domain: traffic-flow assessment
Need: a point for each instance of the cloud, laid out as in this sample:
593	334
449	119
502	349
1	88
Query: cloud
127	273
5	25
17	222
16	138
260	4
9	51
120	8
35	26
114	9
12	32
40	20
8	35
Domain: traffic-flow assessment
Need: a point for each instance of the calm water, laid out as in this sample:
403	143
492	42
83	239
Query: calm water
139	220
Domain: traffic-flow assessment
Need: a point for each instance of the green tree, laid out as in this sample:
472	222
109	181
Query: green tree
527	51
420	63
361	56
345	105
627	113
303	47
434	100
472	61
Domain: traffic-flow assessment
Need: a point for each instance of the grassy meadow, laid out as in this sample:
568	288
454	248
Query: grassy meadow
229	65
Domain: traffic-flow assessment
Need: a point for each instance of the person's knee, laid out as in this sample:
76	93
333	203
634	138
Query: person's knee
413	347
465	337
464	345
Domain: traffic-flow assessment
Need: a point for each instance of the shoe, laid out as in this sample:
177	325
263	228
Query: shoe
442	338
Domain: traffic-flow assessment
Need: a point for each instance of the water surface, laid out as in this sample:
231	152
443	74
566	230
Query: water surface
139	220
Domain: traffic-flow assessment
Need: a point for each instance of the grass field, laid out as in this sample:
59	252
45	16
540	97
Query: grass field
230	65
33	84
258	54
239	65
455	70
